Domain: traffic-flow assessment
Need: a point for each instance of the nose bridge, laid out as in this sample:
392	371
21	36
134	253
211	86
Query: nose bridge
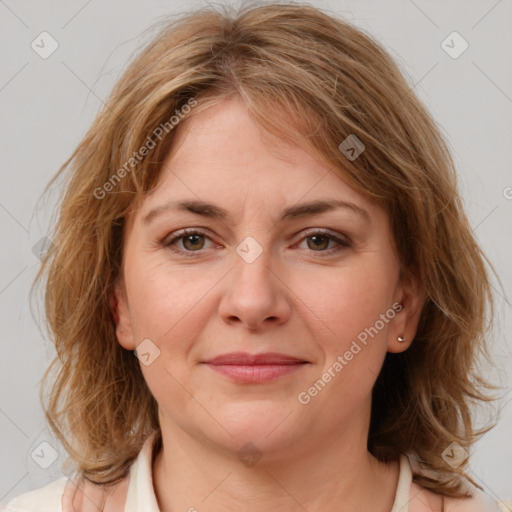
254	293
252	270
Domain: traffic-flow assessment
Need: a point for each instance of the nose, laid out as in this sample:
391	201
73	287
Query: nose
256	295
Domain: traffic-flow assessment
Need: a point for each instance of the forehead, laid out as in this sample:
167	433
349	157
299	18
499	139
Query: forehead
221	153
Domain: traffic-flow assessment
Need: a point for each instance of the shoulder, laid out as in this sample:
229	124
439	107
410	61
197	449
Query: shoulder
79	494
479	502
423	500
44	499
65	495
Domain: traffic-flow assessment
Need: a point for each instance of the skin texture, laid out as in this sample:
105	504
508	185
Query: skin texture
294	298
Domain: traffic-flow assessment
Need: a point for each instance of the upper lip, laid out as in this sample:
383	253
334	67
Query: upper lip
246	359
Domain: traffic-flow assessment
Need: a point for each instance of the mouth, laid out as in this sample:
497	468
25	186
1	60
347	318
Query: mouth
242	367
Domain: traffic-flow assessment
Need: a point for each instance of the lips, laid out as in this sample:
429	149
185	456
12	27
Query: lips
242	367
245	359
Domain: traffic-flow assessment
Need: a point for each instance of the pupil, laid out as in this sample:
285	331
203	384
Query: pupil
317	240
193	240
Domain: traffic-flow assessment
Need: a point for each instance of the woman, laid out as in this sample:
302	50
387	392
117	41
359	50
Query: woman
267	217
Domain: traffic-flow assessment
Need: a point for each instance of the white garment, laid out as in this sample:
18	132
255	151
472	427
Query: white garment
141	496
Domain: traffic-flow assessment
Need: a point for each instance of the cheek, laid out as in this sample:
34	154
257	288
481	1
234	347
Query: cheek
344	311
345	306
167	303
168	307
343	302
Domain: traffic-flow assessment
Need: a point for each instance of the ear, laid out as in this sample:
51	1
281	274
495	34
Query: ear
121	315
411	296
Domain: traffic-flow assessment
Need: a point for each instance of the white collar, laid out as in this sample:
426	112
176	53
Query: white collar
141	495
403	488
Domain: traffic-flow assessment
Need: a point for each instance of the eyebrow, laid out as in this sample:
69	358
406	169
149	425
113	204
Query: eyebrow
216	212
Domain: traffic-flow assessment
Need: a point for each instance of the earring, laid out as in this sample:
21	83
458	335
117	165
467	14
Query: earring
401	339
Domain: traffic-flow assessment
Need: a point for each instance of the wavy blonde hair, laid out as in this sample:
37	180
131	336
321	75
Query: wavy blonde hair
312	79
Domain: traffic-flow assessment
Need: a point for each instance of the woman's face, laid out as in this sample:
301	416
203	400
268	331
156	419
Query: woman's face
261	271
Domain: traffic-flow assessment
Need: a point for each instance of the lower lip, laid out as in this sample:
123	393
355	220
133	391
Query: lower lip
256	373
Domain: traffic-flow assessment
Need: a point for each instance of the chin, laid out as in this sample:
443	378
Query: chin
264	424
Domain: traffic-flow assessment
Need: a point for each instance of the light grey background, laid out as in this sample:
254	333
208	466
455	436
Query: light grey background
47	105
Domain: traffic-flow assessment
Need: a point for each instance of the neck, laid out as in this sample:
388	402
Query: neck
317	473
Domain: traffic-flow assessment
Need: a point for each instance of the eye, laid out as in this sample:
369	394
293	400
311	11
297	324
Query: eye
187	240
190	241
319	241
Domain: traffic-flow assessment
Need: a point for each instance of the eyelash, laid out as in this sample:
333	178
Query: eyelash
343	244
